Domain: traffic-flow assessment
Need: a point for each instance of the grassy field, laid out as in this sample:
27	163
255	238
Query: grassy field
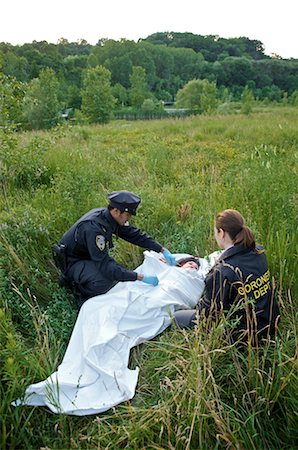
195	391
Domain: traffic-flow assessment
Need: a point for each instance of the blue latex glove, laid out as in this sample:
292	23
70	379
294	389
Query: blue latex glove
171	260
151	279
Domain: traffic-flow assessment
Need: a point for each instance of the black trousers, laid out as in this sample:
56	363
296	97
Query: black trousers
84	274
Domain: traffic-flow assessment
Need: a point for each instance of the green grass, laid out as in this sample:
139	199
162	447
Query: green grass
196	391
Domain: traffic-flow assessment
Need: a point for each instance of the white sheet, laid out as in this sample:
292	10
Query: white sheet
94	374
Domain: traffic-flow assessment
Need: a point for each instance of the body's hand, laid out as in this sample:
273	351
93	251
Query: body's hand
149	279
171	260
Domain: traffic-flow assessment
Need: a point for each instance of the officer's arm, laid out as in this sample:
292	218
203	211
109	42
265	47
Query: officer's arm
138	237
98	251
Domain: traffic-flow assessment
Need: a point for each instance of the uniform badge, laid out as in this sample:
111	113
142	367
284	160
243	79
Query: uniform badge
100	242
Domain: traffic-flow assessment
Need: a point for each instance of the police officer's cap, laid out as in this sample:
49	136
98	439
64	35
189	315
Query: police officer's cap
125	201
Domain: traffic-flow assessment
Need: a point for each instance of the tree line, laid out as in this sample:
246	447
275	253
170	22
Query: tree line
94	80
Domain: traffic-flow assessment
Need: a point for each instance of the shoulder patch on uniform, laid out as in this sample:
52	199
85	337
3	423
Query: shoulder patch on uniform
100	242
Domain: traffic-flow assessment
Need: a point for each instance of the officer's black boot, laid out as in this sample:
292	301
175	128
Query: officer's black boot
77	294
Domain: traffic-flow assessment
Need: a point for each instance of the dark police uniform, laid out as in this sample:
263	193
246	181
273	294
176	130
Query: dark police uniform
88	264
240	274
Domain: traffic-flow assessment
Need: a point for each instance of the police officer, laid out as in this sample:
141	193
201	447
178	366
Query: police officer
89	267
240	276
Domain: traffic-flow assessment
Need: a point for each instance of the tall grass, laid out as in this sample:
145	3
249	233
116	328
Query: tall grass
196	390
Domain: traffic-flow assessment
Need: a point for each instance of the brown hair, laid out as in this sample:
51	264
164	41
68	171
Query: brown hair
233	223
183	261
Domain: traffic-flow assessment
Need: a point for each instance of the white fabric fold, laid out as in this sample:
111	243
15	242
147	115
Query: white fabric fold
94	375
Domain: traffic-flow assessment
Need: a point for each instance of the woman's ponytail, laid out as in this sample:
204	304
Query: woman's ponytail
245	237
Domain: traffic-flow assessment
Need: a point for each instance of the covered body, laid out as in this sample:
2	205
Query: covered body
94	374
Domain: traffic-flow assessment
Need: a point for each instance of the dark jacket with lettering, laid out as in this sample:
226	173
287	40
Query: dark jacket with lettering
241	279
91	237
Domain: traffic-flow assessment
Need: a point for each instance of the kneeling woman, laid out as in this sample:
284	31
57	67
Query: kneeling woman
240	279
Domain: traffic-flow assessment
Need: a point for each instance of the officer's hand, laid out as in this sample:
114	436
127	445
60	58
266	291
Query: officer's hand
150	279
171	260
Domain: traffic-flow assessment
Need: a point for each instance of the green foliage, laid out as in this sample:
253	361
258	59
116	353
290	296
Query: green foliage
246	101
148	105
212	47
24	166
170	60
41	103
198	95
294	98
196	390
139	89
237	70
97	98
120	94
199	391
11	97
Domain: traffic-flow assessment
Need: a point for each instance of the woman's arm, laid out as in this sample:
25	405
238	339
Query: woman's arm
217	293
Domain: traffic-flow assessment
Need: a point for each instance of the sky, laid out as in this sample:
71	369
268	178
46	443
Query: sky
273	22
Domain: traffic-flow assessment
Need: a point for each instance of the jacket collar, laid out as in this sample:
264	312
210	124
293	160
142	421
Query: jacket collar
236	249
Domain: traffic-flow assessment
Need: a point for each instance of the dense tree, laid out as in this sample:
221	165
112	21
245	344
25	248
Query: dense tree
284	74
236	71
109	49
244	46
170	60
247	99
198	95
78	48
41	102
164	64
44	55
148	105
142	57
34	58
120	68
272	93
120	94
11	100
293	100
97	99
211	46
139	90
187	64
70	95
73	66
71	80
15	66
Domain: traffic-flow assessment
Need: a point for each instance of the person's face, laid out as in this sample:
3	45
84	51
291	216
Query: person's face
190	265
219	235
121	217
